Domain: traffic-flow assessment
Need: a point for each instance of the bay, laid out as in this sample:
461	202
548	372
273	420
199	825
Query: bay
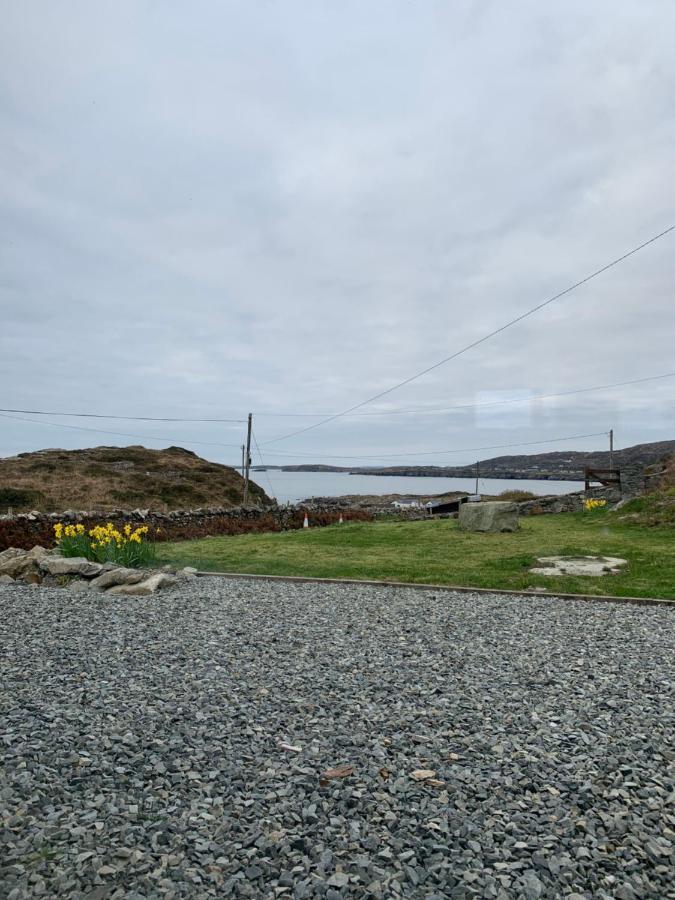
292	487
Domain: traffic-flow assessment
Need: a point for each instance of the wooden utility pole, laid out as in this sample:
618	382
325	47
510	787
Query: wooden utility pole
247	463
477	473
611	448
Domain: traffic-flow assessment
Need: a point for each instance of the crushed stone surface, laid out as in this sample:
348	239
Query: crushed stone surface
233	738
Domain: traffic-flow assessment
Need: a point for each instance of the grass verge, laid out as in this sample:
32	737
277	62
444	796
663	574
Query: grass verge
436	552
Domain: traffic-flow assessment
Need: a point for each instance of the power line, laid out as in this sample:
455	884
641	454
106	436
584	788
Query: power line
421	410
144	437
439	409
479	341
439	452
38	412
262	463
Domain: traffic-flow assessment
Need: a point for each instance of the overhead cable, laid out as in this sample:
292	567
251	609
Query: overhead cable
144	437
39	412
438	452
423	410
479	341
418	410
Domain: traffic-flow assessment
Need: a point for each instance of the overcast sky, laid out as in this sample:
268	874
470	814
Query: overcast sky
211	208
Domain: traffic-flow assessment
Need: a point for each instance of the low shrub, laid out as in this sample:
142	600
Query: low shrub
18	498
23	535
517	496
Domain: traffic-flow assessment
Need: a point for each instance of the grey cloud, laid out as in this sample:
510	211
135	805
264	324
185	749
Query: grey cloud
217	207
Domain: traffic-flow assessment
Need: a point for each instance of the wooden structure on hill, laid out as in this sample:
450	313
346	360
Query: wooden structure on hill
445	507
606	477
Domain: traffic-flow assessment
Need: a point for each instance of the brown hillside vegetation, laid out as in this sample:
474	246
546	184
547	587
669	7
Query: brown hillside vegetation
667	472
656	508
104	478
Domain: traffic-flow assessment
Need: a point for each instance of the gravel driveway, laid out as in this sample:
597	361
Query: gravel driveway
174	746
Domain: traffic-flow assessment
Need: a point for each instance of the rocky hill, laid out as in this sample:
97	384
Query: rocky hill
102	478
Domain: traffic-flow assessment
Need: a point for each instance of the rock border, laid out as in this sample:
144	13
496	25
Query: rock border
40	566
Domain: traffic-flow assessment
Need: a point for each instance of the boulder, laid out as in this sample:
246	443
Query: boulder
6	579
149	586
11	553
75	565
495	515
20	563
38	552
13	562
113	577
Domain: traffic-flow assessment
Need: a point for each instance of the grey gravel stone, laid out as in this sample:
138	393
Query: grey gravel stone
143	744
78	586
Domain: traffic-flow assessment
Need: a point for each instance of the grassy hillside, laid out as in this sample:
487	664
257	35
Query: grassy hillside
102	478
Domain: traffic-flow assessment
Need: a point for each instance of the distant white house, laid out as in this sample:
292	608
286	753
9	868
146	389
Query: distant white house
406	503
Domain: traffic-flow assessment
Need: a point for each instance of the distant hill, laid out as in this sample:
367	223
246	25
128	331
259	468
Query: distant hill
559	465
102	478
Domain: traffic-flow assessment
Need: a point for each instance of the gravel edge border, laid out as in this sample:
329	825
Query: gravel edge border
461	589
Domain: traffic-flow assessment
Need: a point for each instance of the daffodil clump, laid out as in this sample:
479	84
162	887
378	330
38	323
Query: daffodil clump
590	505
105	543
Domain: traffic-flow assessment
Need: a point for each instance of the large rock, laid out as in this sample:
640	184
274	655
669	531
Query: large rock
11	553
75	565
149	586
13	562
38	552
113	577
491	516
21	563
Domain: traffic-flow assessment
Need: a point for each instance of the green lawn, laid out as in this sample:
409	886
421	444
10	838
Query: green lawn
436	552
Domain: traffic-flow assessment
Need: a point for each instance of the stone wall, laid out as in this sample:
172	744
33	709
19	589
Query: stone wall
635	481
559	503
384	510
25	530
28	529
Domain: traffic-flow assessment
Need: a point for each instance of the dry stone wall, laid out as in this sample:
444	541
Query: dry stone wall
28	529
559	503
25	530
